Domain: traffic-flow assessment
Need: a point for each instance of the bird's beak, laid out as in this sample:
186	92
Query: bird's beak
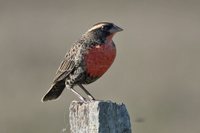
115	29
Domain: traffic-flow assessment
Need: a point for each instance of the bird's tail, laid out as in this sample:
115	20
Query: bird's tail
54	92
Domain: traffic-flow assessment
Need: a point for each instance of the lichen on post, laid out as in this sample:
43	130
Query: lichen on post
99	117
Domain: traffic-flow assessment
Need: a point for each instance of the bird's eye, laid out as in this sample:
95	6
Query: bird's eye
105	27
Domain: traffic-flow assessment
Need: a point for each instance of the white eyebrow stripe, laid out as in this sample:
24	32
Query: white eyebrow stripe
96	27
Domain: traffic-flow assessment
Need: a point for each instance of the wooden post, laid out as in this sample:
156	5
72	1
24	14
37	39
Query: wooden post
99	117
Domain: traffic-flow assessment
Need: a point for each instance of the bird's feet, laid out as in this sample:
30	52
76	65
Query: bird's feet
84	100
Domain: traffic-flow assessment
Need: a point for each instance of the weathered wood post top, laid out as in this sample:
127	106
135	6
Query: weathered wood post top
99	117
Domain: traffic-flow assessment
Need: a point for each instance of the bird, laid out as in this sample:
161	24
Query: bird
87	60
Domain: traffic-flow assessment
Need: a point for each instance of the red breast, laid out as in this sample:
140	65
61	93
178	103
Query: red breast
99	59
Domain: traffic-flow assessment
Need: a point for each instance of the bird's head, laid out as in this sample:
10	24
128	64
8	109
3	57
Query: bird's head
103	30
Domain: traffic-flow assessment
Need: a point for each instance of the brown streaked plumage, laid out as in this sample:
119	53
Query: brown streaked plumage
88	59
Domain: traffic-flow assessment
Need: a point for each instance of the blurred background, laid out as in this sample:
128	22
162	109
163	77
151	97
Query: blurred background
156	72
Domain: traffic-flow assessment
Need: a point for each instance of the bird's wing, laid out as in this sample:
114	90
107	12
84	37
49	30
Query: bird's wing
66	66
69	63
